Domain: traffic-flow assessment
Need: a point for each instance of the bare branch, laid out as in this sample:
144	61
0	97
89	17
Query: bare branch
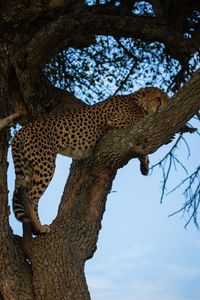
192	197
166	164
9	120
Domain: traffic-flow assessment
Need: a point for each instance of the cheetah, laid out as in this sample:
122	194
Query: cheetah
74	134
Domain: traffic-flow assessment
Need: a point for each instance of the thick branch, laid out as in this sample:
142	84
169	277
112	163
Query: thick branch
86	22
146	137
146	29
14	15
94	23
15	273
40	40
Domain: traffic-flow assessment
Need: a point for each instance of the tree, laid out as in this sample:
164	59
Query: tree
32	33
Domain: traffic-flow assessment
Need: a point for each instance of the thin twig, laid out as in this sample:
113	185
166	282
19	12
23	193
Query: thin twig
192	197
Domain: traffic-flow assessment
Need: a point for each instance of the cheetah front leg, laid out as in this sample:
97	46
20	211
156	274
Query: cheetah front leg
42	176
144	164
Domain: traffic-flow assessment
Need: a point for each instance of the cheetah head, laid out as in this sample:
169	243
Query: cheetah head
151	99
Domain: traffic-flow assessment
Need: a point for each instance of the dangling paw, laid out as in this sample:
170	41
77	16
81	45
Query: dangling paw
144	165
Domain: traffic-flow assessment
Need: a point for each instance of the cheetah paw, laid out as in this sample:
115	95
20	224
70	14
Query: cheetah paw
44	229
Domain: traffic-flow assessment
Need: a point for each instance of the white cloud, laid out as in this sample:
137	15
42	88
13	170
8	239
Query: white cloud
99	283
134	253
123	260
103	289
139	273
182	271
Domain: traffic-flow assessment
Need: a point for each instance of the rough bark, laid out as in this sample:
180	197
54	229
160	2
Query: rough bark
15	271
52	266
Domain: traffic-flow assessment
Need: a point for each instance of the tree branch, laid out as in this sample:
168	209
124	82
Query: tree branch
147	136
58	31
87	22
9	120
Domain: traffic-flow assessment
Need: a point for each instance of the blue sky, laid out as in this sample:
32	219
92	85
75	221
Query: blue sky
142	253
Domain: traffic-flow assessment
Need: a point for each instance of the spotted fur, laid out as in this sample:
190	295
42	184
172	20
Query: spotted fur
75	134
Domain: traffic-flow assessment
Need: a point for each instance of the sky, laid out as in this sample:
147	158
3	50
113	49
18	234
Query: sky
142	253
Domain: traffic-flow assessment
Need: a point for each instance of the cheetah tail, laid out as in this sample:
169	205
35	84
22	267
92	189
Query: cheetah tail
19	199
19	196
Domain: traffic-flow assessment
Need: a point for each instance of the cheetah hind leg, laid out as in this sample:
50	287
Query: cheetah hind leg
39	184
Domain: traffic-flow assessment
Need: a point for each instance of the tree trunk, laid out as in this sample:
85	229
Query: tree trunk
15	271
58	258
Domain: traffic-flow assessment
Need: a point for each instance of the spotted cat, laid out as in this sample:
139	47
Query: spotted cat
75	134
